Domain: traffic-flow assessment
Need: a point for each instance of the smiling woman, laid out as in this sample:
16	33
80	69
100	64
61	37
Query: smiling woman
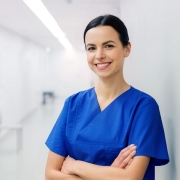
105	52
112	131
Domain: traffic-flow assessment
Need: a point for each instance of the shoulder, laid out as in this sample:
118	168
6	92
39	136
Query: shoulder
141	99
74	99
145	110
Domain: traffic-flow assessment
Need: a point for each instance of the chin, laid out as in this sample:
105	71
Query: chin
103	75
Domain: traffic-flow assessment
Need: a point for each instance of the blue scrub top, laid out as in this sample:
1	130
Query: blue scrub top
86	133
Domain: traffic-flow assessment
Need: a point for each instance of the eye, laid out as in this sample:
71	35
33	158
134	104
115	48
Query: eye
90	48
109	46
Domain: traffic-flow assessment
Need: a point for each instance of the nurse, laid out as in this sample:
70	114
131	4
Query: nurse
97	132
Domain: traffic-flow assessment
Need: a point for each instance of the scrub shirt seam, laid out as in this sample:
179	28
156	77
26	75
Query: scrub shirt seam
98	143
126	122
77	109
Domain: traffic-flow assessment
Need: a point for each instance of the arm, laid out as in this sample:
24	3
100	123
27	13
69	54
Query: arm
87	171
55	161
53	167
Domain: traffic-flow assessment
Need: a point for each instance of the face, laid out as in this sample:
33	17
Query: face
105	52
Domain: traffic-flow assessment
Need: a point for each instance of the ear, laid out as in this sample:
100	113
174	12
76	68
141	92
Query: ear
127	50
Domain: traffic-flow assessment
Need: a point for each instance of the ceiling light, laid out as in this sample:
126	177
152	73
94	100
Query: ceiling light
47	19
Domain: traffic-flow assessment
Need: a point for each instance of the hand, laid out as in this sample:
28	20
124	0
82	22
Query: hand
125	157
68	166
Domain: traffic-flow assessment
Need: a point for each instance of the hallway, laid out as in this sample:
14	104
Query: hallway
42	50
29	163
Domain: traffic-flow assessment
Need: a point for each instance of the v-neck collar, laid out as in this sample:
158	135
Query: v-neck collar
121	95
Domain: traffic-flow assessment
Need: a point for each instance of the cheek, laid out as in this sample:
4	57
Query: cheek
117	56
90	61
90	58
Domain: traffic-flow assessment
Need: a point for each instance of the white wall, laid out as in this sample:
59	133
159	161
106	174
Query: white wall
21	73
153	65
70	72
26	70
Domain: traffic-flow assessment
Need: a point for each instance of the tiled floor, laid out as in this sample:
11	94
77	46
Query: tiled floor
29	163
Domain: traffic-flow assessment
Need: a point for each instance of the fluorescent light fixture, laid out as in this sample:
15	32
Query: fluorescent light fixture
47	19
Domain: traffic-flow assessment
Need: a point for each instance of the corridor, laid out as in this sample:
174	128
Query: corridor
29	163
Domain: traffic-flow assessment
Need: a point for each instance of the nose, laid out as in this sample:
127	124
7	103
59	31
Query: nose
100	54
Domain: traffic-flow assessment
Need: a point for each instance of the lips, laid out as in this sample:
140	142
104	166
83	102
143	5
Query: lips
103	65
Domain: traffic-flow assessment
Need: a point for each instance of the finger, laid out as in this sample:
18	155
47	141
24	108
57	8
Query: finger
128	147
123	161
128	160
128	163
126	151
123	155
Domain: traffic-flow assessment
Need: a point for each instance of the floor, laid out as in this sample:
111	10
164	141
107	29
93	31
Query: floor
29	163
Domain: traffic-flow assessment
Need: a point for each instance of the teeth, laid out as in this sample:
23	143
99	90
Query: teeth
103	65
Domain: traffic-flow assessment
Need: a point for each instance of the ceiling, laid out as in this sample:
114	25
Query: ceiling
71	15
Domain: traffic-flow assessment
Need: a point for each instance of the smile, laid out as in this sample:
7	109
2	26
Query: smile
102	66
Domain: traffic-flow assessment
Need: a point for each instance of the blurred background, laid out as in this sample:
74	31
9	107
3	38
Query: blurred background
42	62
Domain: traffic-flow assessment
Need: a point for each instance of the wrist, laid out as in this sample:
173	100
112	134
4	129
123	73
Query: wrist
76	167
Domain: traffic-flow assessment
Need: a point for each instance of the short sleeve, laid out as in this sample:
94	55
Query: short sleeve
147	132
56	140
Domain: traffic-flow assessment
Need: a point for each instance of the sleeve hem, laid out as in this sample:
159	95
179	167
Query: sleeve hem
155	161
64	154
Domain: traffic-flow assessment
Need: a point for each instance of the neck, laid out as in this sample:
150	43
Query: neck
111	87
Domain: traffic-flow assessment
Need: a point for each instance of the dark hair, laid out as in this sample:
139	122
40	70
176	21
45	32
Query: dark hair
114	22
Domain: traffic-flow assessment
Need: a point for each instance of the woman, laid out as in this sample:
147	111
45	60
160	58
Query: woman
97	124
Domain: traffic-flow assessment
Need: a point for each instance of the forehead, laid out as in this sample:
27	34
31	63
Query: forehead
101	34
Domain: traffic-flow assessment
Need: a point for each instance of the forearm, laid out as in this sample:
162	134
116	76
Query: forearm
89	171
53	168
58	175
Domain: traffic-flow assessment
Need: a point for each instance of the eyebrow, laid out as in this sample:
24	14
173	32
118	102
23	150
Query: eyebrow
110	41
